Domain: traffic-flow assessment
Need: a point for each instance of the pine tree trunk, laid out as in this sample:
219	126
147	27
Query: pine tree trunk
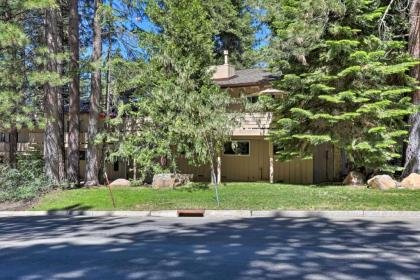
92	158
74	99
52	130
60	100
412	160
104	150
13	142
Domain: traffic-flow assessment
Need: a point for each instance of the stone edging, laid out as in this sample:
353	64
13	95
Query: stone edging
218	213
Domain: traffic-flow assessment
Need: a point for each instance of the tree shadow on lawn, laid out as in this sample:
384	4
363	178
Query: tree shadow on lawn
75	208
57	247
337	185
194	186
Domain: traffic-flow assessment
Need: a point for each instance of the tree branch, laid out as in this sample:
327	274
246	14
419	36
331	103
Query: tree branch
382	23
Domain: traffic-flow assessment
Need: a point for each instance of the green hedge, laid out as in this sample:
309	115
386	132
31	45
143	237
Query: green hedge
26	182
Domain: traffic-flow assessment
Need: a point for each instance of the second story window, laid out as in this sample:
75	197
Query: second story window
252	99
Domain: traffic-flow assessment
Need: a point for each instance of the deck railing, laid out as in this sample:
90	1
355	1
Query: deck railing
250	124
254	124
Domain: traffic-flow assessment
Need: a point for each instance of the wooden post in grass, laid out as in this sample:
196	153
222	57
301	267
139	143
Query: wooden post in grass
219	170
271	157
109	188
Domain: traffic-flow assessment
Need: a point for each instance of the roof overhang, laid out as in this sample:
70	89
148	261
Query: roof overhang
269	91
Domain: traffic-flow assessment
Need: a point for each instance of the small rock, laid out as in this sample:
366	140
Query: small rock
120	183
382	182
411	182
355	178
170	180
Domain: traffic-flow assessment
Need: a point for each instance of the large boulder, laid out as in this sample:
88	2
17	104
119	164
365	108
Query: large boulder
355	178
120	183
382	182
163	181
411	182
170	180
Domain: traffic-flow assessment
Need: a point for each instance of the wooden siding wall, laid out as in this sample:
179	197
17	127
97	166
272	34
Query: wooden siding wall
294	171
254	167
112	175
34	139
328	167
201	174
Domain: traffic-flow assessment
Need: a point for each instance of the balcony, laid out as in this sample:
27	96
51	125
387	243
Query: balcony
254	124
21	147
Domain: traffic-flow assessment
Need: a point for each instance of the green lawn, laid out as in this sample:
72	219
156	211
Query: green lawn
254	196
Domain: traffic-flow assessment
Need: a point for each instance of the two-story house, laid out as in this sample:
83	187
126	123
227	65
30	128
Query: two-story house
248	156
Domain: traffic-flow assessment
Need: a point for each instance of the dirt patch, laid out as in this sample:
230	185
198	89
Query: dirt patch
16	205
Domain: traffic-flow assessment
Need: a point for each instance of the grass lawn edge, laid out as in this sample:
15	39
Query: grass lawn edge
234	196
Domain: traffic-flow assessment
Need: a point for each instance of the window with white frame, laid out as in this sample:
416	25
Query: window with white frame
237	148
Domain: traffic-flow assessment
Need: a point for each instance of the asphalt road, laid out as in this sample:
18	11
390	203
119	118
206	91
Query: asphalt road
203	248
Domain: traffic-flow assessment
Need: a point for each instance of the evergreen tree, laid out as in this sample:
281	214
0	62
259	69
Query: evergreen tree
350	89
121	24
177	110
296	28
235	31
53	102
412	160
19	98
74	96
92	156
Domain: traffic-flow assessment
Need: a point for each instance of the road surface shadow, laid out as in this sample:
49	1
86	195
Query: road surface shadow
57	247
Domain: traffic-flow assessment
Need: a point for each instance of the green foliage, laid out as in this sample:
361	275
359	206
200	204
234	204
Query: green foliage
176	110
24	183
297	27
19	97
38	4
348	88
235	30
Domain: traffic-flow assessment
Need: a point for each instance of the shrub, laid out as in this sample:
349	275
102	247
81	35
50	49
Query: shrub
25	182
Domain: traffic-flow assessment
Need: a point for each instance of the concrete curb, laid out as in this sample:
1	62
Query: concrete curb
75	213
228	213
219	213
164	213
304	213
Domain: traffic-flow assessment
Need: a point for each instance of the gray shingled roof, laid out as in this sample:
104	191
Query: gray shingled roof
244	77
248	77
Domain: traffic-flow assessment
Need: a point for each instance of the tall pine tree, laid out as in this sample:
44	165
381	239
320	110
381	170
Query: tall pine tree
19	96
176	110
350	88
74	96
412	160
235	31
92	155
